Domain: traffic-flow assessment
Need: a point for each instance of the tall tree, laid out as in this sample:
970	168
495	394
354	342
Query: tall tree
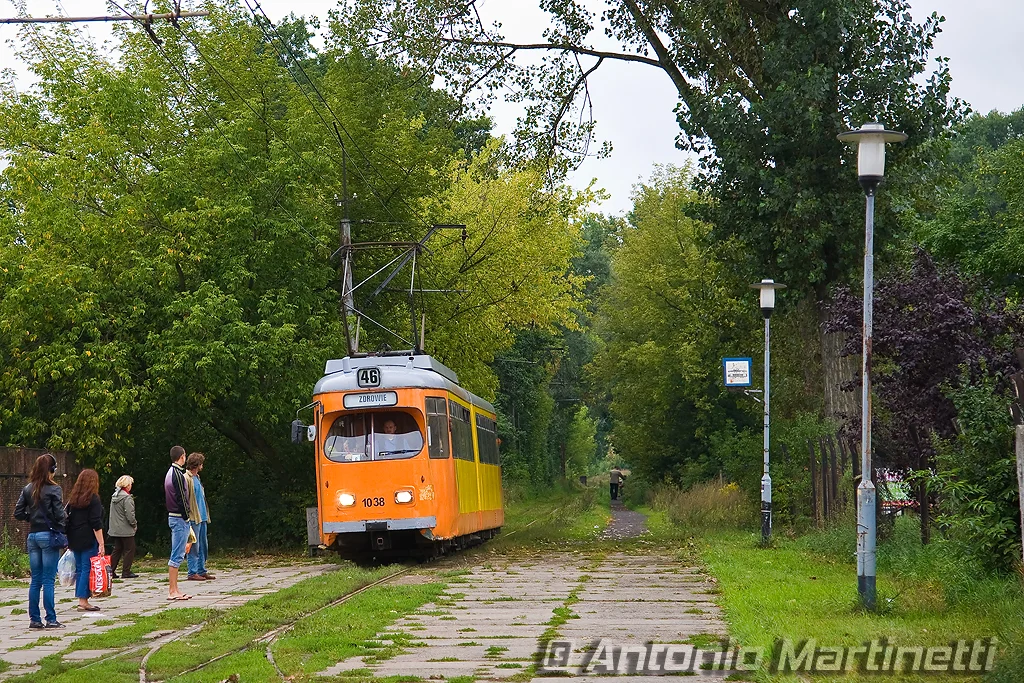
674	307
167	224
763	88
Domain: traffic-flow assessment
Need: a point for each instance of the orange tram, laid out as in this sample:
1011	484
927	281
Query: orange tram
406	460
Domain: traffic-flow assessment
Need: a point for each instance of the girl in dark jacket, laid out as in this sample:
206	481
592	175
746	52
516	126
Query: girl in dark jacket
40	504
85	532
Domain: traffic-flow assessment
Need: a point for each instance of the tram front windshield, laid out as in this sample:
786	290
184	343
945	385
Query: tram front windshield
386	435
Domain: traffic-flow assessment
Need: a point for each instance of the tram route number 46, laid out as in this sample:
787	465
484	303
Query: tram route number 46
373	502
368	377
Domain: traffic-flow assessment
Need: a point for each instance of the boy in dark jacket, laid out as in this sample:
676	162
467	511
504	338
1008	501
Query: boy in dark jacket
176	497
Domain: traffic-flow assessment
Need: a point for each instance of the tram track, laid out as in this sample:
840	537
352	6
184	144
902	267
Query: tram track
267	639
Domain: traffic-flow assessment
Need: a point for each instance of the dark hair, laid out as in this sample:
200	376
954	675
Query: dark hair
176	453
194	460
41	474
86	486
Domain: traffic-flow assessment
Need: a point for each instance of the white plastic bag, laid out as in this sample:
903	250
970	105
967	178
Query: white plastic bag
66	569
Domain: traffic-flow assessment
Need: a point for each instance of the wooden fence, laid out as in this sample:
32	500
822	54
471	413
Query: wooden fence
831	459
15	464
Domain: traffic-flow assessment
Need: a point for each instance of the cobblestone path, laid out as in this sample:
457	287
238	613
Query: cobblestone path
144	596
506	610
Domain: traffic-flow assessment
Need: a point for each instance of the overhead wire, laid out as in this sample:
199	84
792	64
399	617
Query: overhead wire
251	108
332	128
337	126
186	82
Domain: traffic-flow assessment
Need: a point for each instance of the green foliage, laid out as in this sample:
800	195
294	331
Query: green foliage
763	89
581	444
976	479
672	311
791	477
979	220
173	282
13	560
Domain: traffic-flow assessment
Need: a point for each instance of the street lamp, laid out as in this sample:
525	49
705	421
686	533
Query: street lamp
767	288
870	140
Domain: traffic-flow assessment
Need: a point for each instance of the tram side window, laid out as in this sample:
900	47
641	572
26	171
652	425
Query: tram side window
437	424
462	432
347	442
487	440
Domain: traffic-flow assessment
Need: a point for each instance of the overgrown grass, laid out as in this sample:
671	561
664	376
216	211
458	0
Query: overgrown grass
350	629
806	587
709	505
332	635
239	626
13	559
555	517
125	636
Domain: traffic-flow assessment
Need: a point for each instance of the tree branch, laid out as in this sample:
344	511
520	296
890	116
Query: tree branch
564	47
665	60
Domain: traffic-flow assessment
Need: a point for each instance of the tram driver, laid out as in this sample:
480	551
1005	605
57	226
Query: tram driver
398	436
390	440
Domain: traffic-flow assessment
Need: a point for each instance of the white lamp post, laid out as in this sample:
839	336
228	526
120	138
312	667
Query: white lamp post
870	140
767	289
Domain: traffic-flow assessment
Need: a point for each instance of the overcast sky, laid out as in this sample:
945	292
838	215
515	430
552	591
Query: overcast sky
633	104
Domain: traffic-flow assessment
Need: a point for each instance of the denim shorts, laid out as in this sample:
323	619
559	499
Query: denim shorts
179	537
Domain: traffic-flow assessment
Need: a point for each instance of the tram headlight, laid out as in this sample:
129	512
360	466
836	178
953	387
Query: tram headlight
403	496
346	500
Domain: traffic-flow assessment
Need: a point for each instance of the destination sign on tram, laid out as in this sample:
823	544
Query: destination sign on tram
371	400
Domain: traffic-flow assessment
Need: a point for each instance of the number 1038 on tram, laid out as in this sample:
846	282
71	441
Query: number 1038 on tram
406	459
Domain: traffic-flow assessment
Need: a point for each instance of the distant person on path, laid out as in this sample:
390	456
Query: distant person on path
85	532
177	500
616	478
123	526
42	506
200	515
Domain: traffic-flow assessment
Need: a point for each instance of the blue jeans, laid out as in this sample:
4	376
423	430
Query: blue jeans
82	569
42	561
179	537
199	552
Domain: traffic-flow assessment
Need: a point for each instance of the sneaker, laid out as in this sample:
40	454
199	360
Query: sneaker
129	575
54	624
35	624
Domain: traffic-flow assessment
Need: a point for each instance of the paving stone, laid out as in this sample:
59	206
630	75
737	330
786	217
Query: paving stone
143	596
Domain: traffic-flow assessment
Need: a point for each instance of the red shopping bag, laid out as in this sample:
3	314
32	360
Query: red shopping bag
99	576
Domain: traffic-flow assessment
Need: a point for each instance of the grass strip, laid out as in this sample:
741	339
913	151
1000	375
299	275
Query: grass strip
350	629
112	670
801	589
125	636
239	626
335	634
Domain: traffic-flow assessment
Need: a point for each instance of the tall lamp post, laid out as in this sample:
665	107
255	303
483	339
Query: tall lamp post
767	288
870	140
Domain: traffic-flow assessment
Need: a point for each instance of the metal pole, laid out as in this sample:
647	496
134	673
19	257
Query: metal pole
766	480
866	522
